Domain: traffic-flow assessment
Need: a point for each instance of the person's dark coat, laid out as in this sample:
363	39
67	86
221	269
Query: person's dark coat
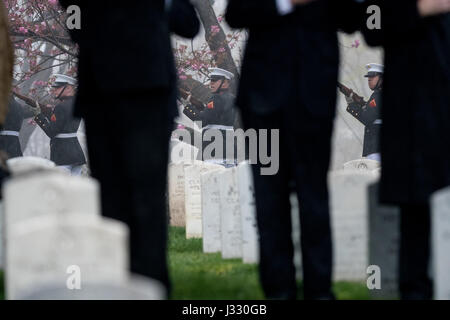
369	116
288	83
183	19
414	138
114	35
293	57
63	150
13	123
127	97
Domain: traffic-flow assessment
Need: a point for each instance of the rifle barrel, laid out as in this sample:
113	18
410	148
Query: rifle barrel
24	98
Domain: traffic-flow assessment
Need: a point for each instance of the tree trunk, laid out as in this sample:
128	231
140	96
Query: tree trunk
6	63
217	41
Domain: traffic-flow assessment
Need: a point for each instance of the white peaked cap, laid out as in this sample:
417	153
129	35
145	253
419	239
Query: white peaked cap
375	67
221	73
62	78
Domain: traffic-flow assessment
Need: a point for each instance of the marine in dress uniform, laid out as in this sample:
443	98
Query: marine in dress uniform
219	113
61	127
9	135
369	114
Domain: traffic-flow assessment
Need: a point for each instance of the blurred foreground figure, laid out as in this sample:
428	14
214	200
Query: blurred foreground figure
6	71
415	138
61	127
127	96
288	82
183	20
6	63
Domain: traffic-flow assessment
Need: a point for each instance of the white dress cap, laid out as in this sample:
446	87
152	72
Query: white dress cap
221	73
62	78
374	68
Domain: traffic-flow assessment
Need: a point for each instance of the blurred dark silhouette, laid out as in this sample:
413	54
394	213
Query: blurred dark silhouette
127	96
183	19
288	82
415	138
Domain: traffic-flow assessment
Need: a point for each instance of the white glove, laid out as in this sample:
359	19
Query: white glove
37	110
349	99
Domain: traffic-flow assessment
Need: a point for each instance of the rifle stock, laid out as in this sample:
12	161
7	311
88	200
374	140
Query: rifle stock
26	99
349	93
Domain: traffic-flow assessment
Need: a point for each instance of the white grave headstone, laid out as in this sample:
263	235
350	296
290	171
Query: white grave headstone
212	238
250	241
230	212
21	165
176	194
49	192
440	229
134	288
349	222
65	250
362	164
193	197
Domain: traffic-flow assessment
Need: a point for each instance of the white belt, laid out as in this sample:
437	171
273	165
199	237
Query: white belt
378	121
217	126
9	133
66	135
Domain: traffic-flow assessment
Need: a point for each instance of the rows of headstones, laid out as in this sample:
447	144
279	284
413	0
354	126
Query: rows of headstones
56	245
54	241
217	204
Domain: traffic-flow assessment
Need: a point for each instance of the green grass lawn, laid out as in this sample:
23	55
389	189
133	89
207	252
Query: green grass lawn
199	276
196	275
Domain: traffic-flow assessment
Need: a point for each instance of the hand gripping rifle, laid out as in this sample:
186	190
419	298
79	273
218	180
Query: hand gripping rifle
26	99
192	100
349	93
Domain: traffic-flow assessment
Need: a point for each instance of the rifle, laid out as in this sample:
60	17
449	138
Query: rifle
27	100
194	101
349	93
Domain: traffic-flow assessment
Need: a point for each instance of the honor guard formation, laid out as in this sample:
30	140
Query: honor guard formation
126	88
61	127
